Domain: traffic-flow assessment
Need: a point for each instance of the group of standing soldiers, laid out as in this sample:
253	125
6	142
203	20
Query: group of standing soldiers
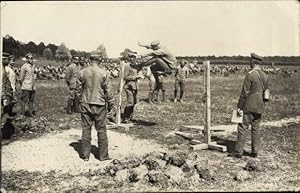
90	92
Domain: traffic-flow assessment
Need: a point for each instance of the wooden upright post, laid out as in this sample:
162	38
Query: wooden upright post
207	106
207	117
119	102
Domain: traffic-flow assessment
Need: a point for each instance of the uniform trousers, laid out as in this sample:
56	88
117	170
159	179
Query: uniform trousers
27	99
254	120
90	114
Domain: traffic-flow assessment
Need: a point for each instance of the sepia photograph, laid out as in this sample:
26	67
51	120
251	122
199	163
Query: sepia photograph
150	96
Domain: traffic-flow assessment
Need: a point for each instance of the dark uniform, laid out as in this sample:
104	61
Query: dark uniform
131	89
6	97
94	89
252	103
72	73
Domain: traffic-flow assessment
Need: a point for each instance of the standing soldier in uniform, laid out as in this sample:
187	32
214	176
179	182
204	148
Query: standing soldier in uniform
12	79
6	96
252	103
131	87
72	73
181	75
27	78
94	90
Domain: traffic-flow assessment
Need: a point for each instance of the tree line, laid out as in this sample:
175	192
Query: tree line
61	52
51	51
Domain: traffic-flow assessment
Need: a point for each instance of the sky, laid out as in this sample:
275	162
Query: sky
186	28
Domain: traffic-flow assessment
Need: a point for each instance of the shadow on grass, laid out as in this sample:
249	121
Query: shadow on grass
7	130
143	123
77	147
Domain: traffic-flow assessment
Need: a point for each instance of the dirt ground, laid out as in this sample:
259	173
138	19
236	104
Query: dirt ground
43	157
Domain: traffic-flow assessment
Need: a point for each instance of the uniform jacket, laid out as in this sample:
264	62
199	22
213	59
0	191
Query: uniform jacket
72	73
27	77
181	73
6	87
11	76
251	98
130	77
93	86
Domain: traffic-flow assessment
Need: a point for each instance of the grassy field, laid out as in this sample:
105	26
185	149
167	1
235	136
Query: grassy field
280	151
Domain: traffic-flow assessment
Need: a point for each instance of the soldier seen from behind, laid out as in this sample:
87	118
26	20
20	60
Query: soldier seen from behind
94	90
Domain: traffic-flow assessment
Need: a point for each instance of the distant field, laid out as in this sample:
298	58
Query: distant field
279	153
44	62
39	62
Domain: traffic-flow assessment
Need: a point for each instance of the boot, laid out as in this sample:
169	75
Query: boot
23	108
181	97
130	112
126	114
150	98
76	105
164	96
69	106
157	97
175	96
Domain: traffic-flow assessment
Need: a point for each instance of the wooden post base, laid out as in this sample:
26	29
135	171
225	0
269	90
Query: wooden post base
197	128
122	125
211	145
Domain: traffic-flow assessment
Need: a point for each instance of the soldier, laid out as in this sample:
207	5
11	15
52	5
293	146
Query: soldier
148	74
94	90
6	97
131	87
160	58
27	78
11	73
181	75
252	104
160	85
72	74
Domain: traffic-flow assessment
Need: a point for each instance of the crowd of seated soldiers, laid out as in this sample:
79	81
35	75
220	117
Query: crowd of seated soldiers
227	69
51	72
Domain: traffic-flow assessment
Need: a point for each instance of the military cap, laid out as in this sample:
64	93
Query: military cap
75	58
95	57
29	55
127	53
155	43
256	57
11	58
5	55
